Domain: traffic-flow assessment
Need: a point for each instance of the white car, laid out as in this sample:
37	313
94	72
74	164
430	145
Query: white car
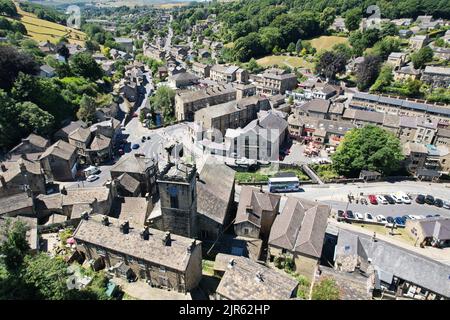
368	217
359	216
446	205
404	197
92	178
381	219
381	199
396	198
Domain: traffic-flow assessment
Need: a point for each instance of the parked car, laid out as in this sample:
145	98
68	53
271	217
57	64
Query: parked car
429	216
438	202
399	221
92	178
422	216
407	217
372	199
437	215
381	200
340	215
389	199
415	217
368	217
390	219
396	198
349	214
359	216
446	204
405	198
135	146
429	199
381	219
420	199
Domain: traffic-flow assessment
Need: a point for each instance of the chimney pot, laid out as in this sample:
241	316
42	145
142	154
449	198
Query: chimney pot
64	191
145	233
3	167
125	227
105	221
231	263
167	239
3	181
85	215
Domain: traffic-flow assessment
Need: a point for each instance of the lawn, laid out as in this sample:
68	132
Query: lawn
42	30
327	42
291	62
263	175
325	171
399	234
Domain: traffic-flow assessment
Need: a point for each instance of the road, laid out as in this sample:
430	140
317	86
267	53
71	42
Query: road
168	42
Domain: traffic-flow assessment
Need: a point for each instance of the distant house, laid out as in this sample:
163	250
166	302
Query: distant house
20	175
18	204
63	133
244	279
47	47
204	54
125	44
275	81
418	42
46	71
256	213
436	76
405	33
201	70
33	144
182	80
396	59
298	232
59	161
406	72
162	72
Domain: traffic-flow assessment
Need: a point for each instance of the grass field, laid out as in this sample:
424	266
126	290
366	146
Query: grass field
42	30
291	62
327	42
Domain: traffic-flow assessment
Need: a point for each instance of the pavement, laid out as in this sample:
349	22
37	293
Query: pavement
142	291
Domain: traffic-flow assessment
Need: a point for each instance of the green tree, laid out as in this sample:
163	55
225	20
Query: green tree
15	246
291	47
34	119
353	18
247	47
384	79
83	64
298	46
369	148
326	289
12	62
386	46
253	66
421	57
164	100
87	109
8	8
327	17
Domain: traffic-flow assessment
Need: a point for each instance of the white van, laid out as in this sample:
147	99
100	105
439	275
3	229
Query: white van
91	170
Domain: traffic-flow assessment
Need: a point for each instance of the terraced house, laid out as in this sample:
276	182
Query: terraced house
160	258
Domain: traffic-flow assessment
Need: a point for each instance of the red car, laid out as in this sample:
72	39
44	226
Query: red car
373	199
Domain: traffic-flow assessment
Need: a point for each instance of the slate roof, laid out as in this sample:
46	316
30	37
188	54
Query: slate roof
133	164
445	133
100	142
128	182
133	209
395	260
363	115
173	256
80	134
412	147
60	149
438	228
72	126
15	202
13	168
258	202
240	282
300	227
214	190
73	196
316	105
34	140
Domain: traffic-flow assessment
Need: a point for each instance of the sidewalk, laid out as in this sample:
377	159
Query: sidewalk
142	291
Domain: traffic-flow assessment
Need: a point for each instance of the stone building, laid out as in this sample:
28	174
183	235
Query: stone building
138	168
244	279
436	76
298	233
275	81
256	213
59	161
17	176
33	144
430	232
188	102
178	196
160	258
201	70
228	73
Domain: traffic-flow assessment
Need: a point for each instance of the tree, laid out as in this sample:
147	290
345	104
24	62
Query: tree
327	17
8	8
368	148
291	47
164	100
63	51
367	71
353	18
84	65
87	109
384	79
298	46
330	64
34	119
421	57
253	66
386	46
14	246
247	47
326	289
11	63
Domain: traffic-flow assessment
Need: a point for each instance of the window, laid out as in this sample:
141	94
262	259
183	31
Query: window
174	201
246	231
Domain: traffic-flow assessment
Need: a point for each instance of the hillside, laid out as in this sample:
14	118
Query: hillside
42	30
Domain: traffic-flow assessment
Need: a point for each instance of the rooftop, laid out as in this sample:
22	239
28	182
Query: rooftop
174	255
60	149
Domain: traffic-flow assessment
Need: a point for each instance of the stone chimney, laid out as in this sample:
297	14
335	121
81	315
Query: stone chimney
3	167
125	227
63	191
167	240
85	215
105	221
259	277
145	233
3	181
192	246
22	167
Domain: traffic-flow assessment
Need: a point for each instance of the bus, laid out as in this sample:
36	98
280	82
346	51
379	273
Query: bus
284	184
